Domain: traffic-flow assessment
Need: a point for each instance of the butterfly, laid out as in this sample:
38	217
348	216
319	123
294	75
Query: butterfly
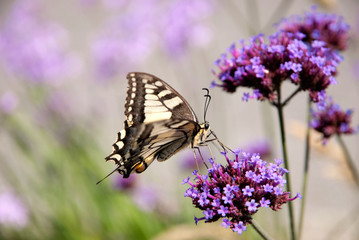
159	122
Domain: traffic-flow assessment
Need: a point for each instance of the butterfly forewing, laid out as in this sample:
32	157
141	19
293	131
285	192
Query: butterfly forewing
159	122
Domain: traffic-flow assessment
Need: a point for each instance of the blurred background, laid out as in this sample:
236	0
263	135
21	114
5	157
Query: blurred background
63	67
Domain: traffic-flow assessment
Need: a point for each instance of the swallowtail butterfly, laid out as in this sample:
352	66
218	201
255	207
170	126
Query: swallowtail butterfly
159	122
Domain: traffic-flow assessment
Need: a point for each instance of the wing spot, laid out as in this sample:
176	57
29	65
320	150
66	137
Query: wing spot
173	102
155	109
164	93
144	80
133	89
122	134
133	95
152	103
158	84
120	144
132	74
151	97
129	109
150	86
116	156
150	90
157	116
131	102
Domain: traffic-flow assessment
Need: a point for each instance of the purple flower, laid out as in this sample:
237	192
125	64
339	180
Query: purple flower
223	211
319	28
13	213
233	194
247	191
268	188
145	197
329	119
262	147
226	223
239	228
252	205
34	48
264	202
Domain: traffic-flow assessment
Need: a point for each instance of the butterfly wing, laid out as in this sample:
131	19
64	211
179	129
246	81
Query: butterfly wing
159	122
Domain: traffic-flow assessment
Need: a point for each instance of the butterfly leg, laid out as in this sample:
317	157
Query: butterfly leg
195	158
220	143
200	153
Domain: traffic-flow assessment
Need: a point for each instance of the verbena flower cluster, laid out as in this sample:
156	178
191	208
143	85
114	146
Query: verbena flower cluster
264	63
236	191
329	28
330	119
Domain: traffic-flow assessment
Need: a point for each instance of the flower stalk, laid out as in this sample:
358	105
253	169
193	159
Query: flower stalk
279	107
305	172
349	160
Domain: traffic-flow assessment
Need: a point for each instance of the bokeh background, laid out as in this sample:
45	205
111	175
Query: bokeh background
63	67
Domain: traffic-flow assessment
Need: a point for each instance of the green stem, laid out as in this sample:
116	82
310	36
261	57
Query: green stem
260	230
349	160
305	172
291	96
285	160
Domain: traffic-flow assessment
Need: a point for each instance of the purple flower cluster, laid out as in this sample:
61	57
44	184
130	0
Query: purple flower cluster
265	63
329	119
264	67
131	36
329	28
33	48
236	191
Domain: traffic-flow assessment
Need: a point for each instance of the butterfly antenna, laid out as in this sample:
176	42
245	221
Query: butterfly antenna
107	176
207	101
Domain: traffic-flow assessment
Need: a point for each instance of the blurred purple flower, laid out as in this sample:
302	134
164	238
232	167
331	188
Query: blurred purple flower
130	37
9	102
145	197
261	147
125	183
236	191
32	47
328	28
263	67
13	213
329	119
181	25
188	162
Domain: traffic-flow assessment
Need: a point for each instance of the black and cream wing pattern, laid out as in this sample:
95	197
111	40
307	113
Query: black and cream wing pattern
159	122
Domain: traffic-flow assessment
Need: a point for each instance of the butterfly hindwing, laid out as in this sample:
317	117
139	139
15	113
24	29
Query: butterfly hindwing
159	122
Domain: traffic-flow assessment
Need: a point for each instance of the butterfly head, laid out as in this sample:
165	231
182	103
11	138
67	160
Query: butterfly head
202	134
